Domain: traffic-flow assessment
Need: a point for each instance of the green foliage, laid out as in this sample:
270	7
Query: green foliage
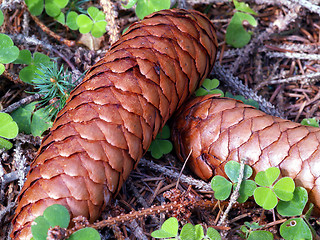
295	206
8	130
209	86
94	23
170	227
53	84
52	7
295	228
1	18
250	232
58	215
8	52
250	102
30	72
310	122
161	145
268	193
236	34
32	121
222	187
146	7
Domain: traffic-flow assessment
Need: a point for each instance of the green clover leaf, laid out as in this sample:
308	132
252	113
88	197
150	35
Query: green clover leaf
8	52
146	7
268	177
295	206
265	198
284	188
295	228
169	229
221	187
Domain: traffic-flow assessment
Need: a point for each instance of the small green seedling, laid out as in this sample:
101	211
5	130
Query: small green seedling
8	52
146	7
32	121
314	122
169	230
250	102
209	86
58	215
8	130
29	73
268	193
161	145
222	187
94	23
250	232
236	34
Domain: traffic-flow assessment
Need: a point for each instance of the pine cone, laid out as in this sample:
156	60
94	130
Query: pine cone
111	118
220	129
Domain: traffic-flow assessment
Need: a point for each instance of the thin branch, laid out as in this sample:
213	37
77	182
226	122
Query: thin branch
111	15
234	195
9	4
308	4
315	57
175	175
307	78
21	102
236	85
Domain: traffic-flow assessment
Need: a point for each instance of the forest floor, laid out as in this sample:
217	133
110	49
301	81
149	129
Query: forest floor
279	69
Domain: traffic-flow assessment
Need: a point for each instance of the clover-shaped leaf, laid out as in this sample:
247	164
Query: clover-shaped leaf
221	187
31	121
284	188
236	35
260	234
53	7
310	122
187	232
232	169
72	20
24	57
8	52
246	190
295	228
98	29
213	234
8	129
209	86
1	18
130	4
85	234
85	23
146	7
244	7
28	73
295	206
243	99
161	145
199	231
169	229
35	6
54	215
265	198
268	177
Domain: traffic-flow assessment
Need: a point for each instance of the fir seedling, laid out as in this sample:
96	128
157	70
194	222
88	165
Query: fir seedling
8	130
161	144
236	35
144	8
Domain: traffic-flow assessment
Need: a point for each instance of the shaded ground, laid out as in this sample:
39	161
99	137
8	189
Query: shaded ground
280	64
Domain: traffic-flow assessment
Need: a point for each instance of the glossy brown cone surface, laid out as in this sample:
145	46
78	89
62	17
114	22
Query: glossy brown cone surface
220	129
111	118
